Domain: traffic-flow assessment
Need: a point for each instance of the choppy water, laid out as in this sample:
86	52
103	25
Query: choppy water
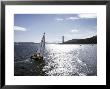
59	60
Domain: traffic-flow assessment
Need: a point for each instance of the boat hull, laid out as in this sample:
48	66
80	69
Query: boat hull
39	59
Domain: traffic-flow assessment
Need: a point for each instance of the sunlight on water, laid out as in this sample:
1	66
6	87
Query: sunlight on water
59	60
61	48
63	60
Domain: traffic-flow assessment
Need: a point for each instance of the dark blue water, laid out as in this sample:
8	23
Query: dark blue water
59	60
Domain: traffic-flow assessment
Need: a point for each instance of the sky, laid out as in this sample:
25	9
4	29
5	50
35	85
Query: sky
30	27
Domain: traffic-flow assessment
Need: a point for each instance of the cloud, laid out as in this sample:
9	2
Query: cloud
87	16
59	19
74	30
18	28
72	18
79	16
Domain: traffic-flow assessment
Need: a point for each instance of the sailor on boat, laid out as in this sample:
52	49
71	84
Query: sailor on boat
39	55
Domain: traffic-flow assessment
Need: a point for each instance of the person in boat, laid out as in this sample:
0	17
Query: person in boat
34	55
38	54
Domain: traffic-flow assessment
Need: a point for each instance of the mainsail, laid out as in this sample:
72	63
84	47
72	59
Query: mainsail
42	45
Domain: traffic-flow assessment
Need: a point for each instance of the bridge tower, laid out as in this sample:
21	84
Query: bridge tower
62	39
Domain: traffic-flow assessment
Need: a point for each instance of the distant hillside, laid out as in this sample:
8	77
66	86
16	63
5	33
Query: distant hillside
92	40
24	42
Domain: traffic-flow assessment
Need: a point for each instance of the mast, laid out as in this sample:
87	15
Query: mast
42	45
44	39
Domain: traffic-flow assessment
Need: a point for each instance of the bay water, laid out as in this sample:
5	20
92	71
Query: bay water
59	60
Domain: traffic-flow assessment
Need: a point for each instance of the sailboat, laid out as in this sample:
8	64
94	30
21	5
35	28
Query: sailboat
38	56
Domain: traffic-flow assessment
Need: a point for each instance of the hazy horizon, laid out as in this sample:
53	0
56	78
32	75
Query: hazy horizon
46	42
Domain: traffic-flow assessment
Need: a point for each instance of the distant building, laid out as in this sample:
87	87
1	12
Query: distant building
62	39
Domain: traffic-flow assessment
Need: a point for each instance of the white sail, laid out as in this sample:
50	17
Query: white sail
42	45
